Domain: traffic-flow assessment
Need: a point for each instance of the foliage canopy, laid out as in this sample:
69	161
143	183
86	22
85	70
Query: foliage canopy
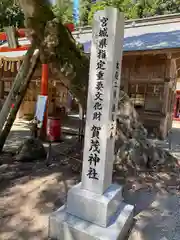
138	8
11	13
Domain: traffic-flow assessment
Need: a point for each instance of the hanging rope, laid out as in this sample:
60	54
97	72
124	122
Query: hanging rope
8	63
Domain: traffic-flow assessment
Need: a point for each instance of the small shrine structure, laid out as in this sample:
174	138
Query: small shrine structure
44	81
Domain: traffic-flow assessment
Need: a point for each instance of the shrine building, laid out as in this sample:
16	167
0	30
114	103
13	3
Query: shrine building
150	69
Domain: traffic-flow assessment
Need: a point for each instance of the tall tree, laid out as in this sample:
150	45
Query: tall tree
138	8
131	9
85	9
167	6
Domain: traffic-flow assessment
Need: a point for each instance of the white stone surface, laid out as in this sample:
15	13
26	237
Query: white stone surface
93	207
103	72
63	226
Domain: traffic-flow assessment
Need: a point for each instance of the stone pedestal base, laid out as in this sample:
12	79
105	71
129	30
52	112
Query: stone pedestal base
92	207
64	226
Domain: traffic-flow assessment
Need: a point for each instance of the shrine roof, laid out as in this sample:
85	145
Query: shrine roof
22	41
13	54
7	52
142	36
154	33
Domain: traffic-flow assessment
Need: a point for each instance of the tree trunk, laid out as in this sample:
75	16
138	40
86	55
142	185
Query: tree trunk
18	100
57	45
19	80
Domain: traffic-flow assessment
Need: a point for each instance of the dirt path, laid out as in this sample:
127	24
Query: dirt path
29	192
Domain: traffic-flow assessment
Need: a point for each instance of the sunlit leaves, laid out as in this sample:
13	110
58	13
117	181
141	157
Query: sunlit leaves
64	12
138	8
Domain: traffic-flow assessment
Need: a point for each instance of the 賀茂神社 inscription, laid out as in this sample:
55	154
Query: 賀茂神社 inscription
94	151
96	202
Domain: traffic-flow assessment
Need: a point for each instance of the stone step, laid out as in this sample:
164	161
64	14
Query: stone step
93	207
64	226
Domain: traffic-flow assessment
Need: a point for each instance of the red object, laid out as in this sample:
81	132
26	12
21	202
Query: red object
3	36
8	49
44	80
12	106
20	33
44	90
54	129
70	26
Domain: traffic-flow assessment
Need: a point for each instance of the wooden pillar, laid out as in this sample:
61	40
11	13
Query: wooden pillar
1	84
44	92
1	88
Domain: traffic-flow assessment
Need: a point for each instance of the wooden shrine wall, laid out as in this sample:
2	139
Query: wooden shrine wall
57	97
150	82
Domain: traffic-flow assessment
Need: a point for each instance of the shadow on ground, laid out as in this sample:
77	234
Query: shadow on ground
29	192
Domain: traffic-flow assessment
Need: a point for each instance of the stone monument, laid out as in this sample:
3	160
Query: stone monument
95	209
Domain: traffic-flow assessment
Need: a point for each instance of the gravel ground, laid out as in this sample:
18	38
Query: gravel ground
29	192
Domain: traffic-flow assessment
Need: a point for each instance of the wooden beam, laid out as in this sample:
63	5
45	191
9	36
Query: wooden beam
19	80
176	55
153	52
18	100
1	85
